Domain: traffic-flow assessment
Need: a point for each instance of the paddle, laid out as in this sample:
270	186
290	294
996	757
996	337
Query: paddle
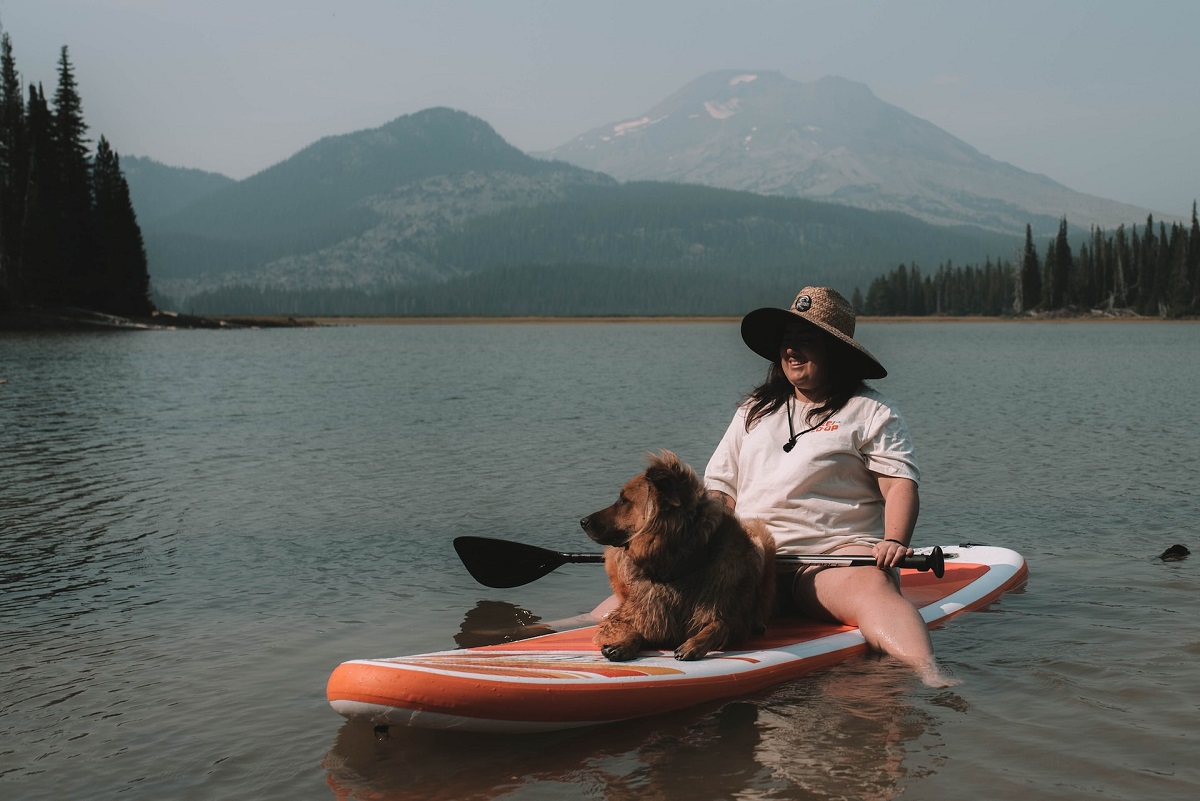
501	563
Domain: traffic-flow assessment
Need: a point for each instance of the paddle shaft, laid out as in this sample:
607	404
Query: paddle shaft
500	563
927	562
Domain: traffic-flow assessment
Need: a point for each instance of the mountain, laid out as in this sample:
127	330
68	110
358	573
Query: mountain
157	190
636	248
359	210
438	195
438	200
830	140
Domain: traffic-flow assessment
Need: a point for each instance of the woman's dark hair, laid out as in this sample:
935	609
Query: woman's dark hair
773	393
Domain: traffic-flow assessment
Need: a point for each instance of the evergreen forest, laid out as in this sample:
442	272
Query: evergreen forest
69	237
1152	272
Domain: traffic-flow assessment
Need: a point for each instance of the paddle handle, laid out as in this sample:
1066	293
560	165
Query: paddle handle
934	561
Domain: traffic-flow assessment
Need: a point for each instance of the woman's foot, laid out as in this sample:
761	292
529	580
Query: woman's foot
932	675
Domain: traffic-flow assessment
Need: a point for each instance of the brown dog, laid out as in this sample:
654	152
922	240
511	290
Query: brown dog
687	574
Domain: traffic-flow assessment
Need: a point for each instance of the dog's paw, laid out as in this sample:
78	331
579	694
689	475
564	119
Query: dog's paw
617	652
689	652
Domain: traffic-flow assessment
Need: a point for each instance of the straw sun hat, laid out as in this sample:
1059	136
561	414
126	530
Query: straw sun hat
762	329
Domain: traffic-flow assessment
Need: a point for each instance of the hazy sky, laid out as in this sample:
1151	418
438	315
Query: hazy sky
1103	96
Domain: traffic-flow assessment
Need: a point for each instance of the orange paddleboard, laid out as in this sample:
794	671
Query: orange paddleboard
560	681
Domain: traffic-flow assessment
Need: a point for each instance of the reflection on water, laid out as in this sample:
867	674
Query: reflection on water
841	734
491	622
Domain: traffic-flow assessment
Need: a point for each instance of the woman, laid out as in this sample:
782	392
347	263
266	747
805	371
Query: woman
827	463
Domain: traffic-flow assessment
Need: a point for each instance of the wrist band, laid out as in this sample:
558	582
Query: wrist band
898	542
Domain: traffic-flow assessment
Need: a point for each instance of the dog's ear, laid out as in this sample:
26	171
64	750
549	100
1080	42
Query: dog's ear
674	482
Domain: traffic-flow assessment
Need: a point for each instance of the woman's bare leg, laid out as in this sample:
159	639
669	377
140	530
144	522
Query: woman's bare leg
586	619
866	597
606	606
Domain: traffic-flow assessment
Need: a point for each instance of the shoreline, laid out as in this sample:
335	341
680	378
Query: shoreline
73	319
667	320
69	319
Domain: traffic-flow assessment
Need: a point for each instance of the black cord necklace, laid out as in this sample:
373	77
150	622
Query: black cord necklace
791	443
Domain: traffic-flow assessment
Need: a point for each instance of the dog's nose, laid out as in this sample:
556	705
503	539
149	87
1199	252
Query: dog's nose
583	524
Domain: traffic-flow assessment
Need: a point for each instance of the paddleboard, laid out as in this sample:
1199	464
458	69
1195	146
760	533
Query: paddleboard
561	681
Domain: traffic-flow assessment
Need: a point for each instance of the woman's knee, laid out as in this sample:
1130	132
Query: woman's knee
844	593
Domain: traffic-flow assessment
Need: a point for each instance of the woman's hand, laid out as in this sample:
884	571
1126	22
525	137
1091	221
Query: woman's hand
890	553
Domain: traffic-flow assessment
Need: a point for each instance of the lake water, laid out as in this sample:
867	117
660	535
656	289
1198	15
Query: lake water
197	527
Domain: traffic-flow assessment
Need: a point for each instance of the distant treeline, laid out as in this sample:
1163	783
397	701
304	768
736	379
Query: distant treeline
523	290
68	233
1153	272
1148	273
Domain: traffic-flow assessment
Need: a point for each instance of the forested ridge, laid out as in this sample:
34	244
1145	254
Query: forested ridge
635	248
1151	272
69	237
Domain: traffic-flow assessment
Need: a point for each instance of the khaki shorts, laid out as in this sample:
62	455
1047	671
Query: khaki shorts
787	579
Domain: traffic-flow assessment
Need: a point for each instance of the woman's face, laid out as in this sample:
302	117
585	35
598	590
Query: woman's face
803	356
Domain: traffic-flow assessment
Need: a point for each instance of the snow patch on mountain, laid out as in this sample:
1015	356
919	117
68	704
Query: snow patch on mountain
622	128
721	111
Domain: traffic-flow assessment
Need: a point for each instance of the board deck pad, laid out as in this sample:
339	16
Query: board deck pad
561	680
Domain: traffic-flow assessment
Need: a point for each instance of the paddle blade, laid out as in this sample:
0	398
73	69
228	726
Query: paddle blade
501	564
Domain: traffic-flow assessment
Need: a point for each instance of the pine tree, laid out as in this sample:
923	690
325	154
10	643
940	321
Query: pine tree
39	265
900	291
1102	270
1081	282
1146	259
1061	268
14	160
74	227
120	251
1122	261
879	298
1175	278
1193	261
1048	298
1031	274
915	302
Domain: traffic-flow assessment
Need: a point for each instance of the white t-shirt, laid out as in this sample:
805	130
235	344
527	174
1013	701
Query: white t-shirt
821	495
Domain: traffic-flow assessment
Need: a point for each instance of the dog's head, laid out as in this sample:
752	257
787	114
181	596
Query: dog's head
664	497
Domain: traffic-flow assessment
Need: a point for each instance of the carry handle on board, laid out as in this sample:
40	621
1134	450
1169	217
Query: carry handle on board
503	563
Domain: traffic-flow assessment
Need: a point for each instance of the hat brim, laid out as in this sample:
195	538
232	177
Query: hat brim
762	331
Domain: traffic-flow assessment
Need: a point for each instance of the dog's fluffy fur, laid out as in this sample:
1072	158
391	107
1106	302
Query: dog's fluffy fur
687	573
